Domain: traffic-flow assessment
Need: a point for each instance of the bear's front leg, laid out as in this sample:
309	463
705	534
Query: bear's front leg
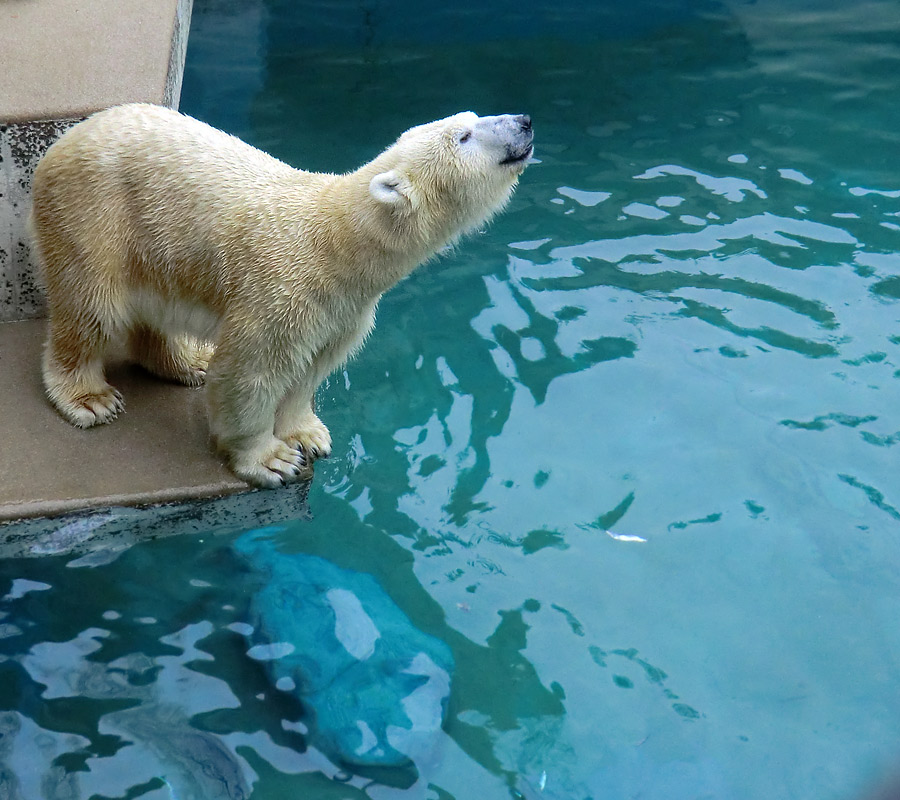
297	425
242	419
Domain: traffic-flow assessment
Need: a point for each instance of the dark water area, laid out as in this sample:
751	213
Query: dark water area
625	463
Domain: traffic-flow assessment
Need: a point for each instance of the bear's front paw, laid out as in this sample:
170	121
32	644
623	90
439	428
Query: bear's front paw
312	438
270	466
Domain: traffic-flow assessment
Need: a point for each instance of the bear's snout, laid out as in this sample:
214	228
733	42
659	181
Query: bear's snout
518	137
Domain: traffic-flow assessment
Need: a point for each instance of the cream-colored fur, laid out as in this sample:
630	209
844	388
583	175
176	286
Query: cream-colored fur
214	260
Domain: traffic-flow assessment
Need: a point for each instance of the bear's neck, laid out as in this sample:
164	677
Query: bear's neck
375	247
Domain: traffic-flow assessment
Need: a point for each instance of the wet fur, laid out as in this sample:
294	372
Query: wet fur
217	262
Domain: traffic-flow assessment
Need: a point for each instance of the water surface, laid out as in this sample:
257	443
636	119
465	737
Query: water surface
631	453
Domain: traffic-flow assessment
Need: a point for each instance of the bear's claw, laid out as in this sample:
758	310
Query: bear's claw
312	439
89	410
271	466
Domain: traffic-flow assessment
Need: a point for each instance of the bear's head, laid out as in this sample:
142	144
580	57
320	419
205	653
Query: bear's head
441	180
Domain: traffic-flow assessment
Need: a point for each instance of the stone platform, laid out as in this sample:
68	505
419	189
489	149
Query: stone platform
61	61
157	451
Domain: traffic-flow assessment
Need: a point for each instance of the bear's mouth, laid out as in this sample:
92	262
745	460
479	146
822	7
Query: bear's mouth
518	156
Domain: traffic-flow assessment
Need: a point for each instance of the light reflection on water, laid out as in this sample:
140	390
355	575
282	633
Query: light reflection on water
684	332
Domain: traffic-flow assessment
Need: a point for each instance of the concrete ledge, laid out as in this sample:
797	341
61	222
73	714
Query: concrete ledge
157	451
21	147
61	60
68	58
98	535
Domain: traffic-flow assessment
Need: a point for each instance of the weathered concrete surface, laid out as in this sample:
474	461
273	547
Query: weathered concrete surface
21	147
67	58
61	60
157	451
96	535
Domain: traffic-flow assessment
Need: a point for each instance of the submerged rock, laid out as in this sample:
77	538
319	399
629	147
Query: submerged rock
376	686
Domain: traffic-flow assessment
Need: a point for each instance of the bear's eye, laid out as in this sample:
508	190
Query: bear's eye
465	136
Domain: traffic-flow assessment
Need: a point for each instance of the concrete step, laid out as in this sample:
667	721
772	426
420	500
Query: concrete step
64	59
61	60
157	451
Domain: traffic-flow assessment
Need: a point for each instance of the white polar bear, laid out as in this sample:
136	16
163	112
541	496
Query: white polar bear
218	262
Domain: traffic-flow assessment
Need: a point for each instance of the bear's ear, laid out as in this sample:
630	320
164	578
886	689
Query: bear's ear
389	188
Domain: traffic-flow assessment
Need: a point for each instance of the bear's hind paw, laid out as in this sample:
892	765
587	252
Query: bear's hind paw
88	410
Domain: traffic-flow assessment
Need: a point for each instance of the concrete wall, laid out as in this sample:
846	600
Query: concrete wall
63	60
21	146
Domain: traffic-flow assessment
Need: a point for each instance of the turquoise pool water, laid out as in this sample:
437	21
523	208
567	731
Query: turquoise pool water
631	454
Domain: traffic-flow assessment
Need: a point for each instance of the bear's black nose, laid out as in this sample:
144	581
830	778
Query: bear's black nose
525	122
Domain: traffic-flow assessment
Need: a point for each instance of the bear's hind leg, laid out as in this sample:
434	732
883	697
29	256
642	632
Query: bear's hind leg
73	373
183	358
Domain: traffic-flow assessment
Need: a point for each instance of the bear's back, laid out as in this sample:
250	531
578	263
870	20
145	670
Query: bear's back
141	143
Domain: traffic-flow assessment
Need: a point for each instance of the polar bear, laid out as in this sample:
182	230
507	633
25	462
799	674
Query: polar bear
219	263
